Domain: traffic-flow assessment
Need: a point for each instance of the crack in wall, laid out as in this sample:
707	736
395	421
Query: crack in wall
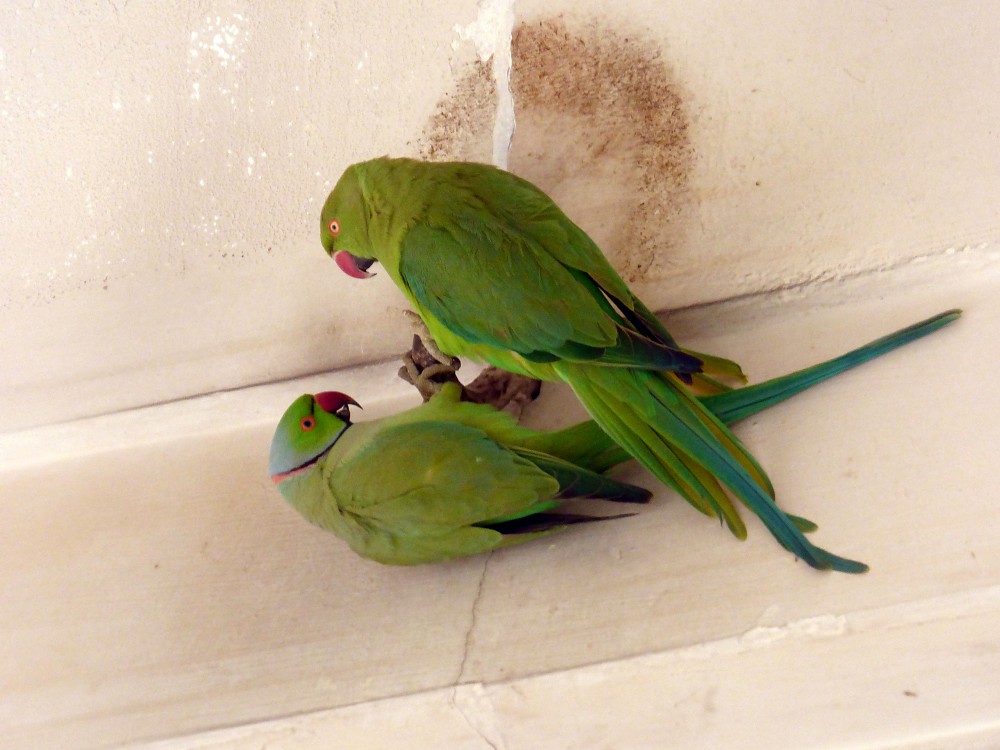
471	700
472	622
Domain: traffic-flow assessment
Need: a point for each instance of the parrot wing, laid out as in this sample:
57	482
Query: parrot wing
435	477
537	307
519	203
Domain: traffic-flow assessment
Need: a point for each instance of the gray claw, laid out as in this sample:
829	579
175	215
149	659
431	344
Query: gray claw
421	370
503	390
429	345
498	388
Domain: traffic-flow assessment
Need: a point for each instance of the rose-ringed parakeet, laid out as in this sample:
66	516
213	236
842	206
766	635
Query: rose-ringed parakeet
498	273
453	478
445	479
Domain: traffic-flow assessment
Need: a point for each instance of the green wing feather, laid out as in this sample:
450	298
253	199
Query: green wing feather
576	482
442	475
531	280
415	492
584	444
540	312
515	296
650	326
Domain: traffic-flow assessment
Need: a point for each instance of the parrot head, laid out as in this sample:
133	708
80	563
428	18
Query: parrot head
307	430
344	225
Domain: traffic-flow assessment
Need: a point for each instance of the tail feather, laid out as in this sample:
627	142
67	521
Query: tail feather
670	395
589	446
631	426
682	426
734	405
721	503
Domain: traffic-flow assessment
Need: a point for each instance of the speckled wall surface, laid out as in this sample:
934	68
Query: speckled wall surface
161	171
163	165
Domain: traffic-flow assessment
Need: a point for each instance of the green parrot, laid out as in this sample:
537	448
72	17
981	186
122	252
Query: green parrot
499	274
446	479
452	478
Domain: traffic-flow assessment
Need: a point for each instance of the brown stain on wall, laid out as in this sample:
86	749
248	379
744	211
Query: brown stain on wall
461	127
601	127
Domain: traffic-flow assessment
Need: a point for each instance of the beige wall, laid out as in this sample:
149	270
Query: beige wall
163	164
161	171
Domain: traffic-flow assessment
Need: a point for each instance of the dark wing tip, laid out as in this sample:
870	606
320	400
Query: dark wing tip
546	522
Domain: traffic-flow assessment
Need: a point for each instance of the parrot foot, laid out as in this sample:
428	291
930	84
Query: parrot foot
423	371
498	388
427	341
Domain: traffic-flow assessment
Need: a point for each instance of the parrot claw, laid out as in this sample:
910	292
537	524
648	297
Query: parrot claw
420	330
421	370
500	389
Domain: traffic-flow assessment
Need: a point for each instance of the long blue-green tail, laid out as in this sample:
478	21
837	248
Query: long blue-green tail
656	419
685	443
741	403
587	445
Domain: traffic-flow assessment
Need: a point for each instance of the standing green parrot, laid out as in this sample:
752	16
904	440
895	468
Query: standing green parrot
451	478
498	273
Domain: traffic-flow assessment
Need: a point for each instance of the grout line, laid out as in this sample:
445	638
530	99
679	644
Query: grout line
824	279
260	402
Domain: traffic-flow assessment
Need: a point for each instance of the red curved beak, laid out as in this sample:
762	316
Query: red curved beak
332	401
352	266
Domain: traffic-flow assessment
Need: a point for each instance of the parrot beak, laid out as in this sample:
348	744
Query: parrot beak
352	265
334	402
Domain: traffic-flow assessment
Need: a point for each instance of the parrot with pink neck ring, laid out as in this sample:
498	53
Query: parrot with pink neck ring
445	479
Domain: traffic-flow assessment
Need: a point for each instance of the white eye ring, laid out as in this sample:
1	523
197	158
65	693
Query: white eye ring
334	227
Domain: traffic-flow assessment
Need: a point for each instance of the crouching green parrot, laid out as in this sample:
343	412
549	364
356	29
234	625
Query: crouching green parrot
498	273
443	480
452	478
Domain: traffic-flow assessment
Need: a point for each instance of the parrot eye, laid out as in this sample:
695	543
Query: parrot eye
307	423
334	227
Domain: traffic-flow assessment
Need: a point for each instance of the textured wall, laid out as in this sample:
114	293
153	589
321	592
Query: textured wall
162	164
